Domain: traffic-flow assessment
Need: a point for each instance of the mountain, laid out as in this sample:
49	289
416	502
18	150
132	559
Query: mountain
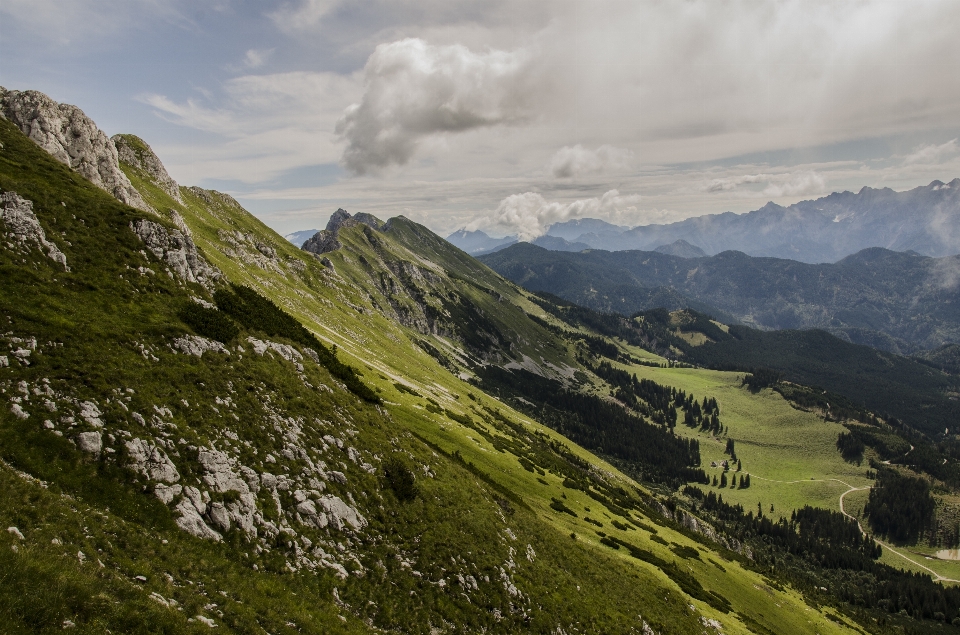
207	427
572	230
477	242
894	301
554	243
924	219
681	248
300	237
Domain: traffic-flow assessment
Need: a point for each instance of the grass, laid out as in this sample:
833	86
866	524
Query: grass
476	511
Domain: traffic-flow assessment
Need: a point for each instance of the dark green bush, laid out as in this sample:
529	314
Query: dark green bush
399	478
209	322
256	312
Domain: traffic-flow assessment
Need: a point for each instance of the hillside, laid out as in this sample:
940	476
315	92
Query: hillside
210	427
898	302
827	229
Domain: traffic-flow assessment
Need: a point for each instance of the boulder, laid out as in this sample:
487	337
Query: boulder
90	442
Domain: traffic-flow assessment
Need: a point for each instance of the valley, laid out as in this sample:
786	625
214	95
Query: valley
209	427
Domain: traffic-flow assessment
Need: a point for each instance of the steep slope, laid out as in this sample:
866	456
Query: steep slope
209	460
186	481
924	219
893	301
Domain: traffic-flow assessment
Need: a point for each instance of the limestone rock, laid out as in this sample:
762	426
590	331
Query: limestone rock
73	139
90	413
191	522
178	251
166	493
148	460
135	152
326	240
24	229
196	345
90	442
221	477
340	514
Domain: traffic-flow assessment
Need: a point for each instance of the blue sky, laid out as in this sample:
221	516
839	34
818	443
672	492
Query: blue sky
508	116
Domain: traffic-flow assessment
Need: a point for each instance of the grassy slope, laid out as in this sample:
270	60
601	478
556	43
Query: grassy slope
102	311
790	454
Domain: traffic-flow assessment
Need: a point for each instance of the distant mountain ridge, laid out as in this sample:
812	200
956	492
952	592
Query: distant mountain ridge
900	302
478	242
925	220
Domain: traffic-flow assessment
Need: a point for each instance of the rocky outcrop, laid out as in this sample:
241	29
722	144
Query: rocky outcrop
135	152
326	240
178	251
73	139
23	230
149	461
196	345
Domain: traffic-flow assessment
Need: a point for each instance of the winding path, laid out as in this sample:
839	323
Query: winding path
936	576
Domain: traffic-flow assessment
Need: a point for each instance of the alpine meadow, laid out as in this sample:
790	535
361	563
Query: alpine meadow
664	375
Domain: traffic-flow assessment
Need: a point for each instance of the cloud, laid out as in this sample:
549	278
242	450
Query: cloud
788	184
570	161
297	18
70	22
255	58
414	90
932	153
528	215
268	123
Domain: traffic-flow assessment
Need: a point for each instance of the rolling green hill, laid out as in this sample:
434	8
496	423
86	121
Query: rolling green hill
208	426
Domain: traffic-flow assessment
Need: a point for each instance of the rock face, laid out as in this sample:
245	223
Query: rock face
196	345
24	230
148	460
177	250
73	139
326	240
135	152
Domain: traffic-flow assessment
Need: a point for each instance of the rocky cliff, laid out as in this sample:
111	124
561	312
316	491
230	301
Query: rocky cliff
73	139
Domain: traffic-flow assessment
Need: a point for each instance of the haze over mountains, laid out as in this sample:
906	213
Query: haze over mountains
891	300
925	220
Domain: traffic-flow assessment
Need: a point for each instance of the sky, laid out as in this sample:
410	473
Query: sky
507	116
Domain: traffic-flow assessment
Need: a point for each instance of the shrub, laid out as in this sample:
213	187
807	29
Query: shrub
399	478
209	322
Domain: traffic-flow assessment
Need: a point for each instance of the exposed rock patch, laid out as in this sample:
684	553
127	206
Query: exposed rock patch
149	461
23	228
326	240
196	345
71	138
177	250
135	152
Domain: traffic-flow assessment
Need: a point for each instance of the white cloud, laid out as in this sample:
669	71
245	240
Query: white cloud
528	215
414	90
789	184
932	153
255	58
570	161
268	124
305	16
89	22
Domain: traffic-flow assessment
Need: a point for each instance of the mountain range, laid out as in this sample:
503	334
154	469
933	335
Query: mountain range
924	220
205	426
901	302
